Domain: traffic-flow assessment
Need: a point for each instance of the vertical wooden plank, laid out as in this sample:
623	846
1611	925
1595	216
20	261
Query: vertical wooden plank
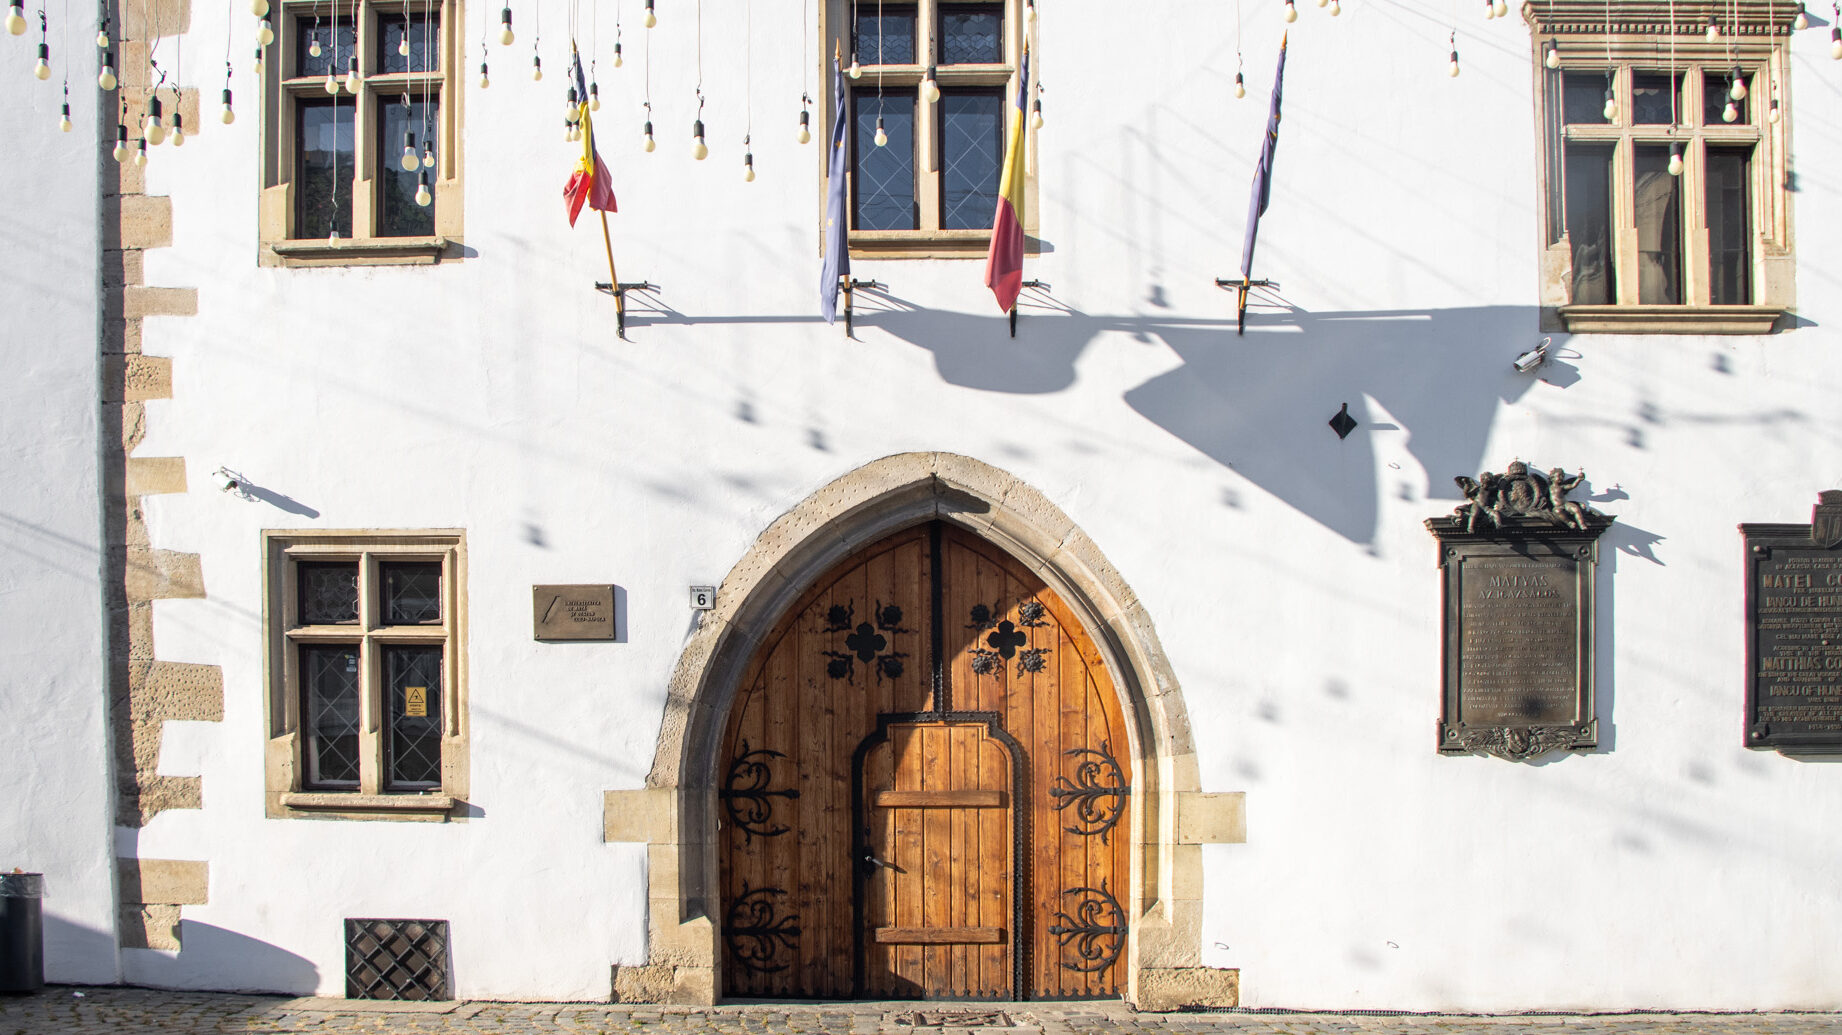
1071	697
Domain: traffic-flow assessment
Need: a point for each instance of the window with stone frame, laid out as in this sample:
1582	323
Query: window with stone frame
931	188
360	129
366	661
1665	204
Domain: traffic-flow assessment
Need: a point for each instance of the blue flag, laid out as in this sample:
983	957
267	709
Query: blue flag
837	221
1263	173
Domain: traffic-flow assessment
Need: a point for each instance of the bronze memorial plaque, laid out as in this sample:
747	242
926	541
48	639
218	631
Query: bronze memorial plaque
1794	632
1519	561
572	612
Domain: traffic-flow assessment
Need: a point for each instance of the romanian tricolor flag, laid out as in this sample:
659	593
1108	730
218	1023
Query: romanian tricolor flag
1004	262
590	181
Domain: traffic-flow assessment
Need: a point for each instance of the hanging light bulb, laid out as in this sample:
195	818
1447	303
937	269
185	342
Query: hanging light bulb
1713	29
930	88
332	237
594	97
43	69
505	26
352	79
102	36
332	84
265	32
1321	3
856	69
403	44
1802	21
698	150
423	197
537	67
140	154
1731	112
618	60
650	143
1029	10
1611	106
408	161
229	115
651	18
882	138
1451	69
1737	90
1335	8
428	153
748	167
16	20
1771	114
257	64
153	132
64	121
313	45
106	78
1291	12
259	8
121	143
485	80
1502	8
1835	43
1553	58
1240	85
1036	114
1675	159
572	107
178	130
1490	9
805	127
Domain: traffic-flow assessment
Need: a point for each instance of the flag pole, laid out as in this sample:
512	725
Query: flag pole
620	299
837	54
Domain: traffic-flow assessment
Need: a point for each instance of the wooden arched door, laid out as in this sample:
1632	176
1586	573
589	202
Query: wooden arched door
927	774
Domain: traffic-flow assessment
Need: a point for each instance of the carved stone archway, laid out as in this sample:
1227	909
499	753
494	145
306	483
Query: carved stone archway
675	814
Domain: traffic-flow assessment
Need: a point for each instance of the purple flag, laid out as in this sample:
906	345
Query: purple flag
1263	173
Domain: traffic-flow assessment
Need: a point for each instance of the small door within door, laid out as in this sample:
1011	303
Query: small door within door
937	901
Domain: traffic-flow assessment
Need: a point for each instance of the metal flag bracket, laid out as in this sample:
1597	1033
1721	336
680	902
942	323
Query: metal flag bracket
1242	286
619	291
1040	285
850	287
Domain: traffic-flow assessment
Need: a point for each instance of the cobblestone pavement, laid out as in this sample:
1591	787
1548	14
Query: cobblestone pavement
61	1010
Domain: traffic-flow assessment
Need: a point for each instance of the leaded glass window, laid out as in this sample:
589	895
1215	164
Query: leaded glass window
367	628
937	73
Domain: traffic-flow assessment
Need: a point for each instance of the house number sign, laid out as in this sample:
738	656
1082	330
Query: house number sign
572	612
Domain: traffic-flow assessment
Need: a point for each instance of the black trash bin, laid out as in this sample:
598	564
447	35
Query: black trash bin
22	932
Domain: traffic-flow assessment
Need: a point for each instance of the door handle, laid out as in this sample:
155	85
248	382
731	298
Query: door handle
871	864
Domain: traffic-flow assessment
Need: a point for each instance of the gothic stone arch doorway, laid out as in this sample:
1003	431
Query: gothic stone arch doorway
676	814
925	777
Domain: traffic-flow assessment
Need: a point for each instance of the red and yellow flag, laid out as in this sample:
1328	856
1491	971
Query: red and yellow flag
590	182
1004	262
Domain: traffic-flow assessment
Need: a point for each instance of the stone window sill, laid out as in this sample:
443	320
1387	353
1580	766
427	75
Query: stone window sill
1670	319
374	251
373	806
929	244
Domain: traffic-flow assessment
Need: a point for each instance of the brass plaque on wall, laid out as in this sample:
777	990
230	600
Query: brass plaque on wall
573	612
1517	630
1794	631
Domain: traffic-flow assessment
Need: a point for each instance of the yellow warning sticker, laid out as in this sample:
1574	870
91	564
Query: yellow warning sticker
416	701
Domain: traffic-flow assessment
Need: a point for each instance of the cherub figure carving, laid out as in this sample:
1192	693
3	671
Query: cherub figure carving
1565	510
1480	498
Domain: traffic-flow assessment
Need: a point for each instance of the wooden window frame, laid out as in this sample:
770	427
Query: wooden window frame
284	244
288	794
929	241
1640	44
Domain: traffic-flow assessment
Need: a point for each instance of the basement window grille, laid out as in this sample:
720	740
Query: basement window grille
396	959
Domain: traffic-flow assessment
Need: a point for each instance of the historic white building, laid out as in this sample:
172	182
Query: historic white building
358	580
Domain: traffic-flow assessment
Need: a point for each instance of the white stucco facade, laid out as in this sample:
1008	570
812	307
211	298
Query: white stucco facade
54	753
1291	581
